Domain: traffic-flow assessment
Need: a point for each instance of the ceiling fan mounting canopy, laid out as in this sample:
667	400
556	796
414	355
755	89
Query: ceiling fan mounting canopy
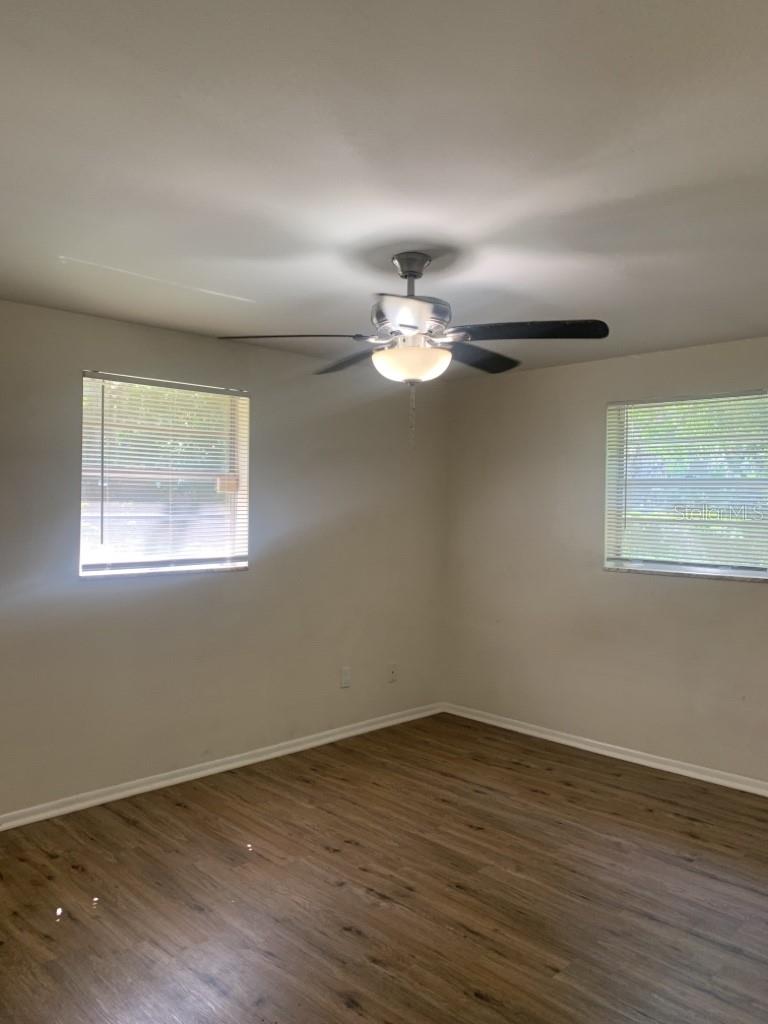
411	264
414	341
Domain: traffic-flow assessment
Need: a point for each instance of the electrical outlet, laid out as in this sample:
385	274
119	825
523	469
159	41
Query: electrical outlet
392	677
346	677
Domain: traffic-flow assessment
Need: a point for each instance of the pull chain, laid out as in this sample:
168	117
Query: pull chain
412	415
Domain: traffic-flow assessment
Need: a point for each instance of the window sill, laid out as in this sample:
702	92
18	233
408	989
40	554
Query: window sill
171	570
691	571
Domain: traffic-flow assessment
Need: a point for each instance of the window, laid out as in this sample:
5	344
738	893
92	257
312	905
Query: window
687	486
164	477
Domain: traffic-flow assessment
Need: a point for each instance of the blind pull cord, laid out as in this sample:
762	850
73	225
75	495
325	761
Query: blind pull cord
101	510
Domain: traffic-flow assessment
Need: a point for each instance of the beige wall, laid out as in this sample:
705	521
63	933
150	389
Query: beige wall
674	667
109	680
475	566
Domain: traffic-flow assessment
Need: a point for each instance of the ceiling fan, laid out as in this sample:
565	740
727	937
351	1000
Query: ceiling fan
414	341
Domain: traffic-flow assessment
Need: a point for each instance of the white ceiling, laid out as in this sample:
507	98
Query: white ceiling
236	166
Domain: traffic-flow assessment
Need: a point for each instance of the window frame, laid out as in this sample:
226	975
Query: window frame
681	570
125	570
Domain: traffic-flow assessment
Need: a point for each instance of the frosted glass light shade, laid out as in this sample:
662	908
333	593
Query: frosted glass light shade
411	364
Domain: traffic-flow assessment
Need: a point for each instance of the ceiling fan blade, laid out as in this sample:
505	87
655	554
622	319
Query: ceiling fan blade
342	364
481	358
268	337
534	329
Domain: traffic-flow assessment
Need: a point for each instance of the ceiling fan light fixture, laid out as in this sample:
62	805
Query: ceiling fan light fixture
409	364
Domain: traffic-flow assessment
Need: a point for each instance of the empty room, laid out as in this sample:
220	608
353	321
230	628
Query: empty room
384	512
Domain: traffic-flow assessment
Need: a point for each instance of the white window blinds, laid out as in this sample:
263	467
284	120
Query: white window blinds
164	477
687	486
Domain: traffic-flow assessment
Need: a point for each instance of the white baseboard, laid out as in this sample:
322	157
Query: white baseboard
67	804
78	802
667	764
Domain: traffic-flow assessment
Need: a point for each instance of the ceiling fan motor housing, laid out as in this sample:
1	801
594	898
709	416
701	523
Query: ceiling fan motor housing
426	313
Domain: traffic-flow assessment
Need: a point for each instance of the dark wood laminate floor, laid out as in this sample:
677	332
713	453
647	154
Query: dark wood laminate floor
440	871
